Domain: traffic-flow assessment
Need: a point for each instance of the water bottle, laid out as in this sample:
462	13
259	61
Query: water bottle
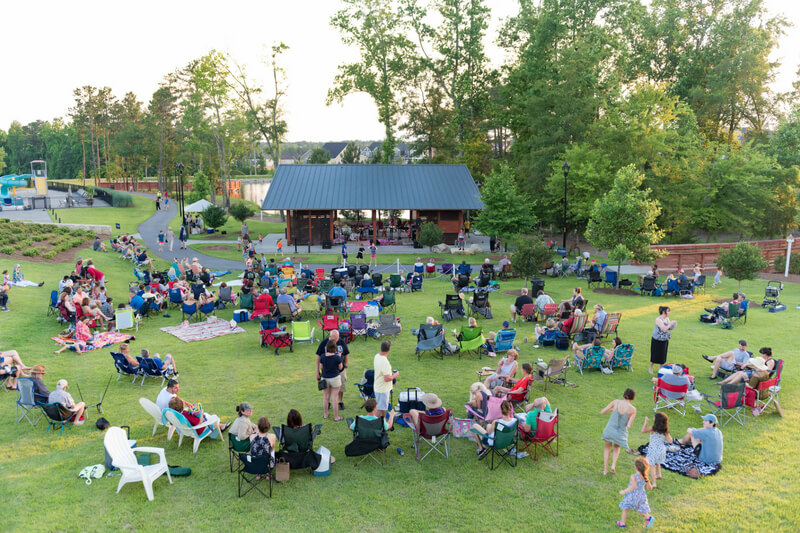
400	451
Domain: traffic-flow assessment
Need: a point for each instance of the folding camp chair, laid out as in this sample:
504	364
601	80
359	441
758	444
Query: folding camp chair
260	307
57	416
175	298
328	324
472	340
388	326
253	471
662	401
622	357
578	325
504	340
504	445
546	434
52	308
648	285
366	287
700	283
205	311
549	310
395	282
302	332
389	301
337	303
297	445
446	269
430	338
319	273
480	305
594	277
611	324
190	310
768	393
593	357
555	372
369	439
519	399
737	312
325	285
285	310
358	324
377	279
452	307
149	369
124	368
27	407
433	431
246	300
235	447
730	402
416	283
311	307
528	312
611	278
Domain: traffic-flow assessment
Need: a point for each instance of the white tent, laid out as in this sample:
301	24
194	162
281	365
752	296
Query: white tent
197	207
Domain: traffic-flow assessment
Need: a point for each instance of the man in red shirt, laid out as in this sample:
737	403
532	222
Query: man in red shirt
517	392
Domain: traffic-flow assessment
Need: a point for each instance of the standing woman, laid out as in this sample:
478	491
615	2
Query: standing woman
660	341
329	368
615	434
170	236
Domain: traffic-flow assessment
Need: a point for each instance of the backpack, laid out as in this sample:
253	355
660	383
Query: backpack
94	471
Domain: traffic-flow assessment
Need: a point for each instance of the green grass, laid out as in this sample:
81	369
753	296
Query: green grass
335	257
753	492
233	228
128	218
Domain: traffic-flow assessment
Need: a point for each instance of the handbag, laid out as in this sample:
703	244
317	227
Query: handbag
461	427
692	472
322	384
282	470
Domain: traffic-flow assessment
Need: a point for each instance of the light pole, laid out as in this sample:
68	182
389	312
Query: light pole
789	241
565	168
179	169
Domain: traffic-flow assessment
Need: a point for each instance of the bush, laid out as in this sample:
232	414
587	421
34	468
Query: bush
241	211
49	255
30	252
25	243
115	198
38	237
430	234
794	264
214	216
8	250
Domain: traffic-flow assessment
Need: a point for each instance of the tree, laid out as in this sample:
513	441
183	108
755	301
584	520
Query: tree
506	211
784	145
430	234
214	216
351	154
377	29
743	261
319	156
623	220
241	211
530	255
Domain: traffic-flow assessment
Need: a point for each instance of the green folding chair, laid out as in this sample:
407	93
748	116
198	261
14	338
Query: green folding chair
472	340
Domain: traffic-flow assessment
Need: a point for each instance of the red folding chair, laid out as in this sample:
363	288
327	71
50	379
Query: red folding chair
320	273
528	312
662	401
767	393
546	434
260	307
328	323
433	431
550	310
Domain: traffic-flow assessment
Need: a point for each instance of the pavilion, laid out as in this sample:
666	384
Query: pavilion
312	195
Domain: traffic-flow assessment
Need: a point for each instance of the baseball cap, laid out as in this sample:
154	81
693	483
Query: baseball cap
710	418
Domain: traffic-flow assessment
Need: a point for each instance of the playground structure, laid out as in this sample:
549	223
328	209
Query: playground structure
14	188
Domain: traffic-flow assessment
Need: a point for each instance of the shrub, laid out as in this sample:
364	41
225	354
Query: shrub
8	250
49	255
115	198
241	211
38	237
794	263
30	252
214	216
23	244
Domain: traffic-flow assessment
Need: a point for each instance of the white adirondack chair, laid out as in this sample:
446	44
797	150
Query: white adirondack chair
124	458
185	429
153	410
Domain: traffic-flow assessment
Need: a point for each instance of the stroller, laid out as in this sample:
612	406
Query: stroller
772	294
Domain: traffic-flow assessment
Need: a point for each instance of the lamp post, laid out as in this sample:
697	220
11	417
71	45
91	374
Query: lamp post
179	169
565	168
789	241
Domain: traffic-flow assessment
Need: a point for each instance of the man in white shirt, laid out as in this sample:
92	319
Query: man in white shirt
167	393
60	395
383	377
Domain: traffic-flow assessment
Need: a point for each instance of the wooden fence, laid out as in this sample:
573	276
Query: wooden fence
686	255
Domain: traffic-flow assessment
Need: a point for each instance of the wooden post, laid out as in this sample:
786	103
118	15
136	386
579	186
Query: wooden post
289	229
330	225
374	228
309	229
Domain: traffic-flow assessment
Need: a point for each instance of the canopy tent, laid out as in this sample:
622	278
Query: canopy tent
197	207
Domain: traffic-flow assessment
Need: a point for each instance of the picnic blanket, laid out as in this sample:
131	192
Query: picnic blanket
220	273
201	331
101	340
232	283
679	460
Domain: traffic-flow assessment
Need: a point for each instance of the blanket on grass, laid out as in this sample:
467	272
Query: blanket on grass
220	273
201	331
678	461
101	340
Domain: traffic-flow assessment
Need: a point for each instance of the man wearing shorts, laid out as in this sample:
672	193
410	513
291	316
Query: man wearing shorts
731	361
383	377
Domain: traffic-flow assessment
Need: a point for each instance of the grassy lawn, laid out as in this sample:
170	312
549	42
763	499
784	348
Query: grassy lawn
128	218
333	258
233	228
752	492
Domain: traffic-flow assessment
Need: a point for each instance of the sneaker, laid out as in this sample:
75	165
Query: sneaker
522	455
79	422
341	406
708	309
707	358
649	522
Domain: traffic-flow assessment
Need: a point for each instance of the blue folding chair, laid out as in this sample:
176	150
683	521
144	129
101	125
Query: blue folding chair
52	309
175	298
190	310
149	369
207	310
123	367
504	340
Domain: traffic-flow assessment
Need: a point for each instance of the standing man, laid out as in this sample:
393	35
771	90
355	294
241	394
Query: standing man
383	377
183	236
344	352
60	395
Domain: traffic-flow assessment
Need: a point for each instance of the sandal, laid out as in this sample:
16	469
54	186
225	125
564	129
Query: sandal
620	524
338	418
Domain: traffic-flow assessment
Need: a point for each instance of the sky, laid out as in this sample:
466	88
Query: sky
52	47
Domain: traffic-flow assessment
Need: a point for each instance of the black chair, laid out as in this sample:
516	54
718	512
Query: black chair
254	471
461	282
648	285
369	439
297	446
482	281
377	279
336	276
452	307
364	269
57	416
700	283
351	270
480	305
594	277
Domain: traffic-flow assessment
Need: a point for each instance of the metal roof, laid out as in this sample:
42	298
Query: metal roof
448	187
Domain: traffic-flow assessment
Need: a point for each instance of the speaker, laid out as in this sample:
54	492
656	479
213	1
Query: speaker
417	244
327	244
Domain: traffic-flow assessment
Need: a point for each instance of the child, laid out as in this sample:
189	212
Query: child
260	239
161	238
344	253
635	495
280	246
239	243
717	278
360	254
656	450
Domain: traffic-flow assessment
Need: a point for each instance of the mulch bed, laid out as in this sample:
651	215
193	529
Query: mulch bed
217	247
